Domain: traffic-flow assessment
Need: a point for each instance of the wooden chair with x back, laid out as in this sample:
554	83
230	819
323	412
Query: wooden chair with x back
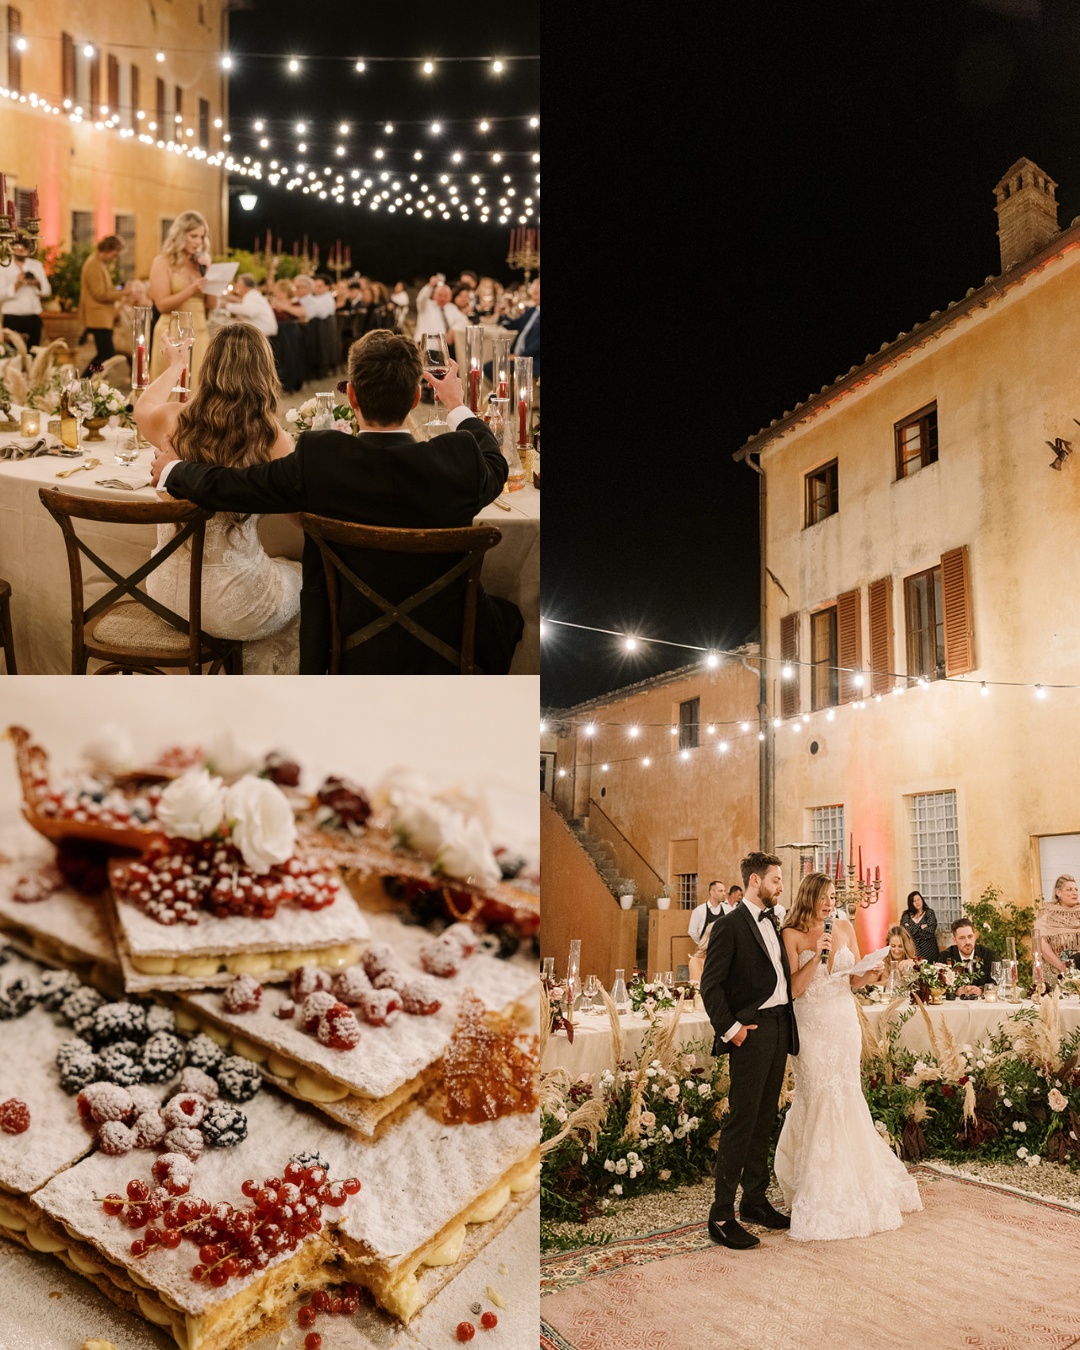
467	545
126	628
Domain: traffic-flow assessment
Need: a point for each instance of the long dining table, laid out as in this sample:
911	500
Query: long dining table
33	560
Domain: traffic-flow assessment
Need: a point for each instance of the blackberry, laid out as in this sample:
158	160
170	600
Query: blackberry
508	938
426	908
20	995
77	1065
84	1000
162	1057
132	1049
309	1158
224	1125
239	1078
159	1019
117	1067
510	864
56	986
205	1054
119	1022
84	1026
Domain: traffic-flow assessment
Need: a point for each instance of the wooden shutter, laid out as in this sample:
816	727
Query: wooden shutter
114	84
879	597
95	84
161	110
789	651
956	601
848	643
67	65
14	26
135	104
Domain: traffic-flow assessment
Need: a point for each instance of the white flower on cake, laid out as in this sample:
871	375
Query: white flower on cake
230	758
466	853
420	824
264	827
111	750
193	805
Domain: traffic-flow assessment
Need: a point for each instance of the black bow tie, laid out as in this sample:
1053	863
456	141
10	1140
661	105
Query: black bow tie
767	916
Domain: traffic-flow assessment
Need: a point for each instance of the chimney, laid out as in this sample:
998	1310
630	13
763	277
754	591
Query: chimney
1027	212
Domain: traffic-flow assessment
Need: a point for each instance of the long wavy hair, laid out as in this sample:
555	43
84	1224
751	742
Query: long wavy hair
231	418
173	247
905	941
804	907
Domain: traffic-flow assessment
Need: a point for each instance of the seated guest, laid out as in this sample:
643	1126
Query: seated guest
314	296
902	955
1057	923
432	314
457	320
99	298
283	302
706	915
527	327
230	420
251	305
383	476
920	921
968	956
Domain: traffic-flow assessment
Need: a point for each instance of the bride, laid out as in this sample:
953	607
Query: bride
839	1177
230	420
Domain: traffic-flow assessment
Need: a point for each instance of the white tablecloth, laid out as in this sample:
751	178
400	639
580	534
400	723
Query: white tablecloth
32	554
968	1022
591	1052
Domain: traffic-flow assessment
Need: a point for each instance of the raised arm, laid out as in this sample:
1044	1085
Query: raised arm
493	467
155	416
161	291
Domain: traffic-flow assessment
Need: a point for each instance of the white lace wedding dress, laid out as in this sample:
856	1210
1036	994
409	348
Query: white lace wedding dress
839	1177
246	594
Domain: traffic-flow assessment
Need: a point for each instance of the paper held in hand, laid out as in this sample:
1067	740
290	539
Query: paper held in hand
867	963
218	276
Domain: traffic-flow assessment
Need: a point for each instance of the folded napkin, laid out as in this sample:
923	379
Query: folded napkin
28	448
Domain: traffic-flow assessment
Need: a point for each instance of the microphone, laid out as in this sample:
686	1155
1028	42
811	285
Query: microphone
828	929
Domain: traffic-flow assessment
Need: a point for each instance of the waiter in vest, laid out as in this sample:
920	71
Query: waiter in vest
710	911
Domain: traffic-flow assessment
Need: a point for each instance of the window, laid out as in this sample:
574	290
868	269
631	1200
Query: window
125	228
14	55
1059	854
822	493
82	228
849	645
825	678
204	124
789	654
95	83
686	890
112	67
936	853
547	771
690	724
925	624
916	441
827	825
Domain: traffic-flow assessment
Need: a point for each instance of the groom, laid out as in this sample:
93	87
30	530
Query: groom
746	989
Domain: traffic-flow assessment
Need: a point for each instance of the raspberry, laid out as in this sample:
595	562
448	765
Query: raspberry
119	1022
56	986
464	935
350	985
488	1321
149	1130
37	885
205	1054
224	1125
338	1028
184	1139
195	1080
244	994
379	959
143	1099
162	1056
119	1067
173	1167
77	1064
348	802
84	1000
14	1116
465	1331
239	1079
313	1008
307	980
380	1007
442	956
105	1101
419	996
186	1108
115	1137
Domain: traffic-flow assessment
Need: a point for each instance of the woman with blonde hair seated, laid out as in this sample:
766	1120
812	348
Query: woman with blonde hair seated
230	420
177	283
902	955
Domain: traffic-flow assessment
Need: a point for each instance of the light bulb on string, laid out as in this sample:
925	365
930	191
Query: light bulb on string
830	716
761	735
712	660
984	690
485	126
604	768
646	762
589	729
776	722
684	754
786	673
722	747
159	57
744	726
294	65
1040	692
428	67
226	63
710	730
630	644
497	67
633	732
857	680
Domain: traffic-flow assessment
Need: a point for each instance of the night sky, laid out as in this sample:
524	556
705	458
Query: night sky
772	191
324	93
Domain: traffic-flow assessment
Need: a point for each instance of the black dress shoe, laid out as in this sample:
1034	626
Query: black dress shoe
731	1234
765	1215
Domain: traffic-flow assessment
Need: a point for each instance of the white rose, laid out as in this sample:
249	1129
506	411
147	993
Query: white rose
193	805
616	1190
420	823
466	853
620	1167
1034	1160
609	1166
665	1175
230	757
1056	1100
292	415
672	1093
648	1120
264	828
1021	1152
111	750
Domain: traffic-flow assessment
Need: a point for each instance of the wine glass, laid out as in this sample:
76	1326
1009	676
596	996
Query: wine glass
181	335
547	969
436	359
996	972
80	397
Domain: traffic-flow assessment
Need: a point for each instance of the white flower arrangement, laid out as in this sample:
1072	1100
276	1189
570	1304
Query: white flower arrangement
254	813
301	417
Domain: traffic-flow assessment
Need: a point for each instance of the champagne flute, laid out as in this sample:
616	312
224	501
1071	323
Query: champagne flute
181	334
436	358
592	990
547	969
80	397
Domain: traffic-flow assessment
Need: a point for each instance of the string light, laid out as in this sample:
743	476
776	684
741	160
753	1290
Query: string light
646	762
428	67
633	732
360	67
294	65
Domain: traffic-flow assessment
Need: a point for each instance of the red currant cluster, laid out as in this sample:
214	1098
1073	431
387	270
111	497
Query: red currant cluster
177	878
466	1331
323	1301
232	1241
96	803
38	884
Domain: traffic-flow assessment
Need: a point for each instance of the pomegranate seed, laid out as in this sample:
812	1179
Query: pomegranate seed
488	1321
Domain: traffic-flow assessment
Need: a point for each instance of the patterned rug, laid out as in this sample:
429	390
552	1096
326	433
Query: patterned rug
982	1267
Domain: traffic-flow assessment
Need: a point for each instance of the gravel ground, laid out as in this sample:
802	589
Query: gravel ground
690	1204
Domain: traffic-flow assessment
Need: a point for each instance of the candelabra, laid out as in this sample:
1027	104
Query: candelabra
338	268
524	252
30	232
855	892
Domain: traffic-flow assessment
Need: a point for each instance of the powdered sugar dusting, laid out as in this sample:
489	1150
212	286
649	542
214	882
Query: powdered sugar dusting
79	921
387	1056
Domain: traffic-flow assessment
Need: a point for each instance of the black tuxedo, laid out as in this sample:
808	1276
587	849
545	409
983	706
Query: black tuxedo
738	977
982	959
378	478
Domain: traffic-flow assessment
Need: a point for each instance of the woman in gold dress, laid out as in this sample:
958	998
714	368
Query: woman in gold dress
1057	923
177	284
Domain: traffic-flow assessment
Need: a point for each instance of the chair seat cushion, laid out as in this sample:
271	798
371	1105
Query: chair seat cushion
133	627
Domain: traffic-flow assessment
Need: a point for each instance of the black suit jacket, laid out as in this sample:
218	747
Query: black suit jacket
384	478
739	975
984	958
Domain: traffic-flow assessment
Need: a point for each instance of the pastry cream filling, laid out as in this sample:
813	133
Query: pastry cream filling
10	1218
251	963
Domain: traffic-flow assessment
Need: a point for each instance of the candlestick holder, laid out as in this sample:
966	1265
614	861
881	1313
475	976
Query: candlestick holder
10	233
338	269
500	364
474	365
855	893
525	259
523	400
